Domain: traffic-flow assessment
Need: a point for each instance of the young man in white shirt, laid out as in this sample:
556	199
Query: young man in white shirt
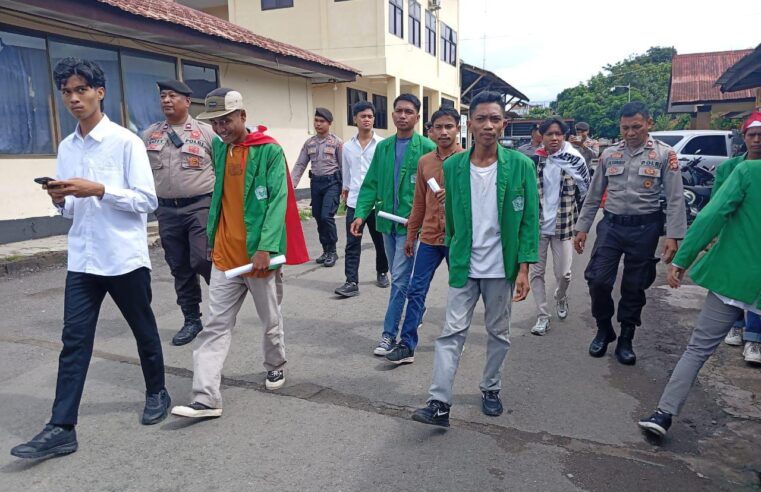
104	183
492	229
562	175
357	156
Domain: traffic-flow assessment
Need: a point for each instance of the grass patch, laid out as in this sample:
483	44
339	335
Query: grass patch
305	213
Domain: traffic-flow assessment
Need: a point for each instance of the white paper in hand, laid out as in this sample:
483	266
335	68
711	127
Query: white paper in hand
392	217
433	185
234	272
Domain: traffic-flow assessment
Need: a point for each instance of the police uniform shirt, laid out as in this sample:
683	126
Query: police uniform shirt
181	172
323	153
634	180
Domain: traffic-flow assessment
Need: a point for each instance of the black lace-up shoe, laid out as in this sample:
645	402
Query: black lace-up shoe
491	404
52	441
658	423
188	332
436	413
156	407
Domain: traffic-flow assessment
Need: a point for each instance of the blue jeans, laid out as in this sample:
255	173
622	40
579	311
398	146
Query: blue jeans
400	266
427	260
752	328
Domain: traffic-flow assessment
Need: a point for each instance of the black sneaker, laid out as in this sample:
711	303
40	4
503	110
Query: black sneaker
330	259
349	289
188	332
52	441
382	280
196	410
436	413
401	354
275	379
321	259
658	423
491	404
156	407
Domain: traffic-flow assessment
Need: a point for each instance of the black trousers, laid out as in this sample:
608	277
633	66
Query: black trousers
637	244
354	247
326	194
84	295
186	248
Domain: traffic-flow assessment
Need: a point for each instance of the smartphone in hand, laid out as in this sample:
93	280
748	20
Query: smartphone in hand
44	181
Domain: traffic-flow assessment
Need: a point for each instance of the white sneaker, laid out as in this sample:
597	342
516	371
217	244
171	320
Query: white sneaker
196	411
752	352
562	308
541	327
735	336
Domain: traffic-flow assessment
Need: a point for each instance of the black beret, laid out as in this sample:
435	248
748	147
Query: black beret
176	86
324	113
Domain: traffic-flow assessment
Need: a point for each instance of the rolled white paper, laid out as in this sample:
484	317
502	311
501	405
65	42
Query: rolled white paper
434	185
392	217
234	272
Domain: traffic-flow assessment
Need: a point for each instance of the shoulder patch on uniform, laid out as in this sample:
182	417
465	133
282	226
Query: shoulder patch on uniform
673	161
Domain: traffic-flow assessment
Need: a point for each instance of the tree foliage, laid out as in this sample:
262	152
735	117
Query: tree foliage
648	75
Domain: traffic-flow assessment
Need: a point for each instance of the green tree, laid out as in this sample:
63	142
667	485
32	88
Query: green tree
648	76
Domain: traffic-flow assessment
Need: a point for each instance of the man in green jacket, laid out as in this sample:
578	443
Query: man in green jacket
246	226
389	187
730	271
492	230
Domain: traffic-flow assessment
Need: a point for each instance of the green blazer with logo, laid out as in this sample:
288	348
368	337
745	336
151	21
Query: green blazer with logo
517	208
265	195
378	186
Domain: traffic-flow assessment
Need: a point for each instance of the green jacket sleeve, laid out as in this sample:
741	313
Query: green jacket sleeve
368	192
528	234
277	189
722	172
710	221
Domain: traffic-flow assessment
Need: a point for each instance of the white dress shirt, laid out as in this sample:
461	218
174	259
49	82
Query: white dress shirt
356	162
108	236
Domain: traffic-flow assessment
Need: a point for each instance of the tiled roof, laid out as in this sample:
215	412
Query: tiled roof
693	77
181	15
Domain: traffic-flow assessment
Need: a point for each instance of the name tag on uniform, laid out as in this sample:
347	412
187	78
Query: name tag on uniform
330	150
260	192
650	171
156	141
614	170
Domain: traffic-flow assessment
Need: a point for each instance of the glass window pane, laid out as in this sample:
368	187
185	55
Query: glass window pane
25	126
141	72
108	61
201	79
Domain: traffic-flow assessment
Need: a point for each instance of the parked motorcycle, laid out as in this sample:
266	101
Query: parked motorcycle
697	182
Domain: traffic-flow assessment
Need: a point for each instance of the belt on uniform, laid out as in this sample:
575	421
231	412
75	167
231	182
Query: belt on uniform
315	177
634	220
181	202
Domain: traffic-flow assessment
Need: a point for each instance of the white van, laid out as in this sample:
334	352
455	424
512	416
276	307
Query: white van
714	146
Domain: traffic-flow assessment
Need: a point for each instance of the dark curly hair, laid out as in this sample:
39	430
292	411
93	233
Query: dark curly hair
88	70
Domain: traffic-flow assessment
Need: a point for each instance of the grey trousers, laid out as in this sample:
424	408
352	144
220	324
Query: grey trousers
497	294
213	343
562	256
712	326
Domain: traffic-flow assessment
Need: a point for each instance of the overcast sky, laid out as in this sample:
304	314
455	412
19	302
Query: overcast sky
562	43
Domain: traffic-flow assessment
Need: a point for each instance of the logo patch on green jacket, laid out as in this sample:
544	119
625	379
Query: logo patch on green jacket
413	179
518	203
261	192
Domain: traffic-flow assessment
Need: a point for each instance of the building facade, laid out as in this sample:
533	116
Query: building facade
137	42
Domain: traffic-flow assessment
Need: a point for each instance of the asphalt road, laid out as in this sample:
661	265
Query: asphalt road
342	422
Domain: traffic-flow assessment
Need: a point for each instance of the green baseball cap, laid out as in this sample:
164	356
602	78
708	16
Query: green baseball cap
221	102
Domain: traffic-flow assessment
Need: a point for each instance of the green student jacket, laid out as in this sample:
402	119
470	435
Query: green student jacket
265	195
732	267
518	211
378	186
724	170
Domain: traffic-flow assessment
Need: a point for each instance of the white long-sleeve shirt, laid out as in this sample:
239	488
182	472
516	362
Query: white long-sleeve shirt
108	236
566	159
356	162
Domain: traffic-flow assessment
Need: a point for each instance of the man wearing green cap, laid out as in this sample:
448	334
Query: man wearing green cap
179	149
323	150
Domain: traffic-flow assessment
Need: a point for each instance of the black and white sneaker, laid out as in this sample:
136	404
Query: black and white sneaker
275	379
196	410
436	413
401	354
658	423
491	404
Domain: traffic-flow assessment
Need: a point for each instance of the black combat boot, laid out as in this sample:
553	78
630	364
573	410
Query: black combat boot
192	326
624	352
605	335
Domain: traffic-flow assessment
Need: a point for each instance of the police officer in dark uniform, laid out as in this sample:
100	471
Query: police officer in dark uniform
634	172
323	150
179	149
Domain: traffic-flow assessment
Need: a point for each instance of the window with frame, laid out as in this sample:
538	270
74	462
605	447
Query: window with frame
712	145
25	115
353	96
430	33
140	73
276	4
396	18
447	103
381	111
414	20
448	45
202	79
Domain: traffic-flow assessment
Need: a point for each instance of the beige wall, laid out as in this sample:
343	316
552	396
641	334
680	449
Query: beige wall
282	103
